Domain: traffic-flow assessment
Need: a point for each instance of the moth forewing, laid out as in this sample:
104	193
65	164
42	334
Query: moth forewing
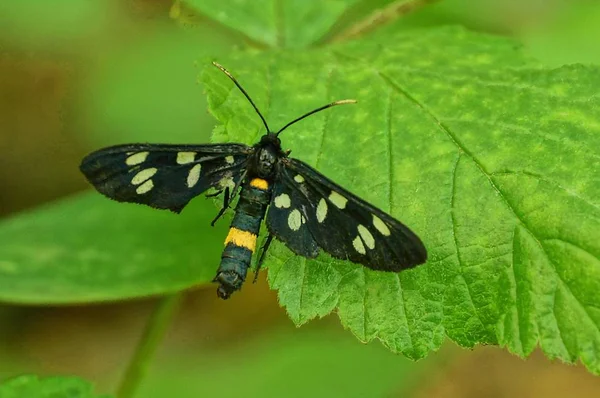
163	176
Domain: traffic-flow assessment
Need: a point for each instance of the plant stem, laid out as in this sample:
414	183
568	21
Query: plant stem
381	17
155	330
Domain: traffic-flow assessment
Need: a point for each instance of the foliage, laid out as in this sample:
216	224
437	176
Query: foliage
50	387
487	154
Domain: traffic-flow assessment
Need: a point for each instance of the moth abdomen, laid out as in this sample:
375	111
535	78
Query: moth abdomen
231	274
240	243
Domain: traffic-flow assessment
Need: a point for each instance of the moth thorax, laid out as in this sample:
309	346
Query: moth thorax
265	162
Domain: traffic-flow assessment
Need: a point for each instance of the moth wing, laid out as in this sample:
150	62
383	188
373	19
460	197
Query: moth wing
337	221
164	176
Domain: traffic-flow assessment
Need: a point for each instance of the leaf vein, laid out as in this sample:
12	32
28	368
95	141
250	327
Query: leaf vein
287	260
516	294
463	77
325	118
403	303
279	23
579	247
390	156
456	245
560	332
570	192
364	303
527	131
303	259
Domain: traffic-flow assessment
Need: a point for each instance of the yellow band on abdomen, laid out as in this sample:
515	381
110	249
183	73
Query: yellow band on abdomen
241	239
259	183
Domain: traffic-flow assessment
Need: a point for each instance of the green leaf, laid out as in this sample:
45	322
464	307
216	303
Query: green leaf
489	157
90	249
39	24
276	23
282	363
50	387
570	38
120	107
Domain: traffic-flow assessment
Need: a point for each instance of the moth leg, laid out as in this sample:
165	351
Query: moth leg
226	199
237	185
212	195
262	256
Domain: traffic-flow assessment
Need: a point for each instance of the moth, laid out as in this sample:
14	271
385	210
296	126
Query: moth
303	208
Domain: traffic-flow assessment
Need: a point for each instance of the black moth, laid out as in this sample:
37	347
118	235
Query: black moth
306	210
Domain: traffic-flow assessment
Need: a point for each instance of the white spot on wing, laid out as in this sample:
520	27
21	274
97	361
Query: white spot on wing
145	187
229	159
194	175
136	158
338	200
358	245
295	220
282	201
298	178
185	157
321	210
143	175
366	236
380	226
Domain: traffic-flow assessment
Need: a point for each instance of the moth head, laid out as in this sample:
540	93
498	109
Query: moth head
270	139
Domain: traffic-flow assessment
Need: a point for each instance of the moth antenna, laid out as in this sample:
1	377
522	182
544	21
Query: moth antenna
340	102
229	75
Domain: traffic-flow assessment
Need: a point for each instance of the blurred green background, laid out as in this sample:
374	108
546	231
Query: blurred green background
76	75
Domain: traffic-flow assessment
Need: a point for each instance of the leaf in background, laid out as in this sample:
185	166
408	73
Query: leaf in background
282	363
45	26
49	387
89	249
275	23
571	36
491	159
147	91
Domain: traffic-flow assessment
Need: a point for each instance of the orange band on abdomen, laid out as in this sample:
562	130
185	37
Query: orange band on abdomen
241	239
